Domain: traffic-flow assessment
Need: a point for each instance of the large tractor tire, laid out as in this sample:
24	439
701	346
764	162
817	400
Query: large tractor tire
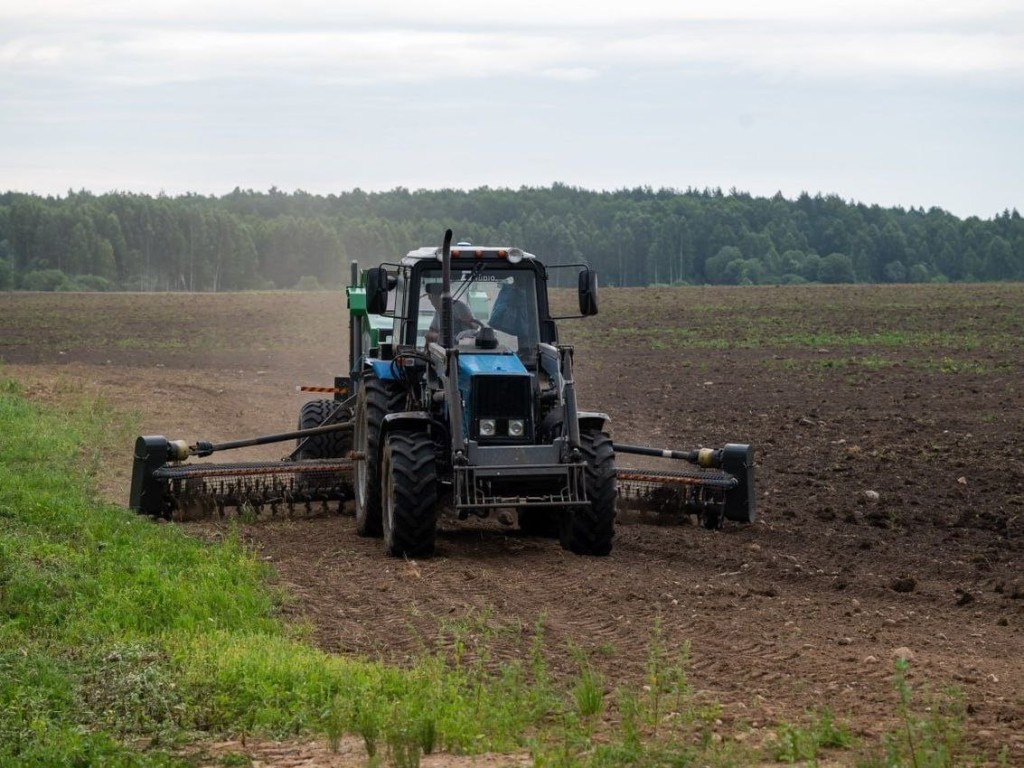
332	445
409	490
376	400
590	530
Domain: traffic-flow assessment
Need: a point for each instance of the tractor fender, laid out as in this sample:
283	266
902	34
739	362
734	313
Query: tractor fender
408	420
592	420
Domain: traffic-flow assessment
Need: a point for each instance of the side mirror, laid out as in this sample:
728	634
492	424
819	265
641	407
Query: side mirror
588	292
377	285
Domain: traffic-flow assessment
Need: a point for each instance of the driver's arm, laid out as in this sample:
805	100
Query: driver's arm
465	315
433	331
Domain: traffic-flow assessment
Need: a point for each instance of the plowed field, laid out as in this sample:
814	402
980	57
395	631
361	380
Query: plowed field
887	423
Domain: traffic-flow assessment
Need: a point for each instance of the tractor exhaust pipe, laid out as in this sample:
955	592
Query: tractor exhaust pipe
448	342
355	329
447	326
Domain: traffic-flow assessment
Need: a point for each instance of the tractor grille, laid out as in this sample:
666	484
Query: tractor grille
502	398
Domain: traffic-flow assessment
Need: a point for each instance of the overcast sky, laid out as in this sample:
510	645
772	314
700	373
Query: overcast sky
895	102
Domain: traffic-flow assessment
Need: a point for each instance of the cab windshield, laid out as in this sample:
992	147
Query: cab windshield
502	299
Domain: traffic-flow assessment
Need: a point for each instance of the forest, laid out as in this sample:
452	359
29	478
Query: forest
265	240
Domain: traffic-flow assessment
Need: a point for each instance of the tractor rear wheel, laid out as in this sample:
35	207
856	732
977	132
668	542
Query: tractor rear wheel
332	445
376	400
590	530
409	490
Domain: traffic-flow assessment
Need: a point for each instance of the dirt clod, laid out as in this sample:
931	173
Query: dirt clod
904	584
903	653
966	598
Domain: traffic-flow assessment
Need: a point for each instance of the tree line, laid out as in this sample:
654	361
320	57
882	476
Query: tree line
262	240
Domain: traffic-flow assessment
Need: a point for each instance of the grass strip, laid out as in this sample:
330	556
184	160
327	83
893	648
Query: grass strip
114	629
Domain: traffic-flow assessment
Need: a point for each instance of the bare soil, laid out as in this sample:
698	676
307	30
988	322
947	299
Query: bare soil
913	394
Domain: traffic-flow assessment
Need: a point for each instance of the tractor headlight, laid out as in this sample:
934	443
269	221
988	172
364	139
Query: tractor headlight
516	427
515	255
487	427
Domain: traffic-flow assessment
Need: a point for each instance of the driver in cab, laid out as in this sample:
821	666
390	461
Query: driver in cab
462	316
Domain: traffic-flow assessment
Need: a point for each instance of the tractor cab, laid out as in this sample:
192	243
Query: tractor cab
486	297
499	301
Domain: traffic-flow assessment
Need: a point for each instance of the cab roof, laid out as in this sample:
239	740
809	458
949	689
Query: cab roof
467	252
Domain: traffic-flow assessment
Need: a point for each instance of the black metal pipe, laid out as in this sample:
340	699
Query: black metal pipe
705	457
355	332
447	325
569	397
203	448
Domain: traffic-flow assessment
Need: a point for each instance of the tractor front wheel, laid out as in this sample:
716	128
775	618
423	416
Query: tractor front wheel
590	530
376	400
409	490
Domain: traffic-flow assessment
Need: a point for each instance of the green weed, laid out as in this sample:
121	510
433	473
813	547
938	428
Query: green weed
588	691
932	740
797	744
950	366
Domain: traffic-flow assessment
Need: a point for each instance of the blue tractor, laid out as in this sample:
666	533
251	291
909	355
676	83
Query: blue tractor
460	400
469	404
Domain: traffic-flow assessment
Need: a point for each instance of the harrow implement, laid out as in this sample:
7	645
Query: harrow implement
164	486
715	489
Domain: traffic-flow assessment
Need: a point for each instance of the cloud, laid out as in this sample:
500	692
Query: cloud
536	14
206	94
149	56
775	50
571	74
126	42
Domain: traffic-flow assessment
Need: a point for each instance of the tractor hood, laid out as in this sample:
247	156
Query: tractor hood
497	388
485	364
